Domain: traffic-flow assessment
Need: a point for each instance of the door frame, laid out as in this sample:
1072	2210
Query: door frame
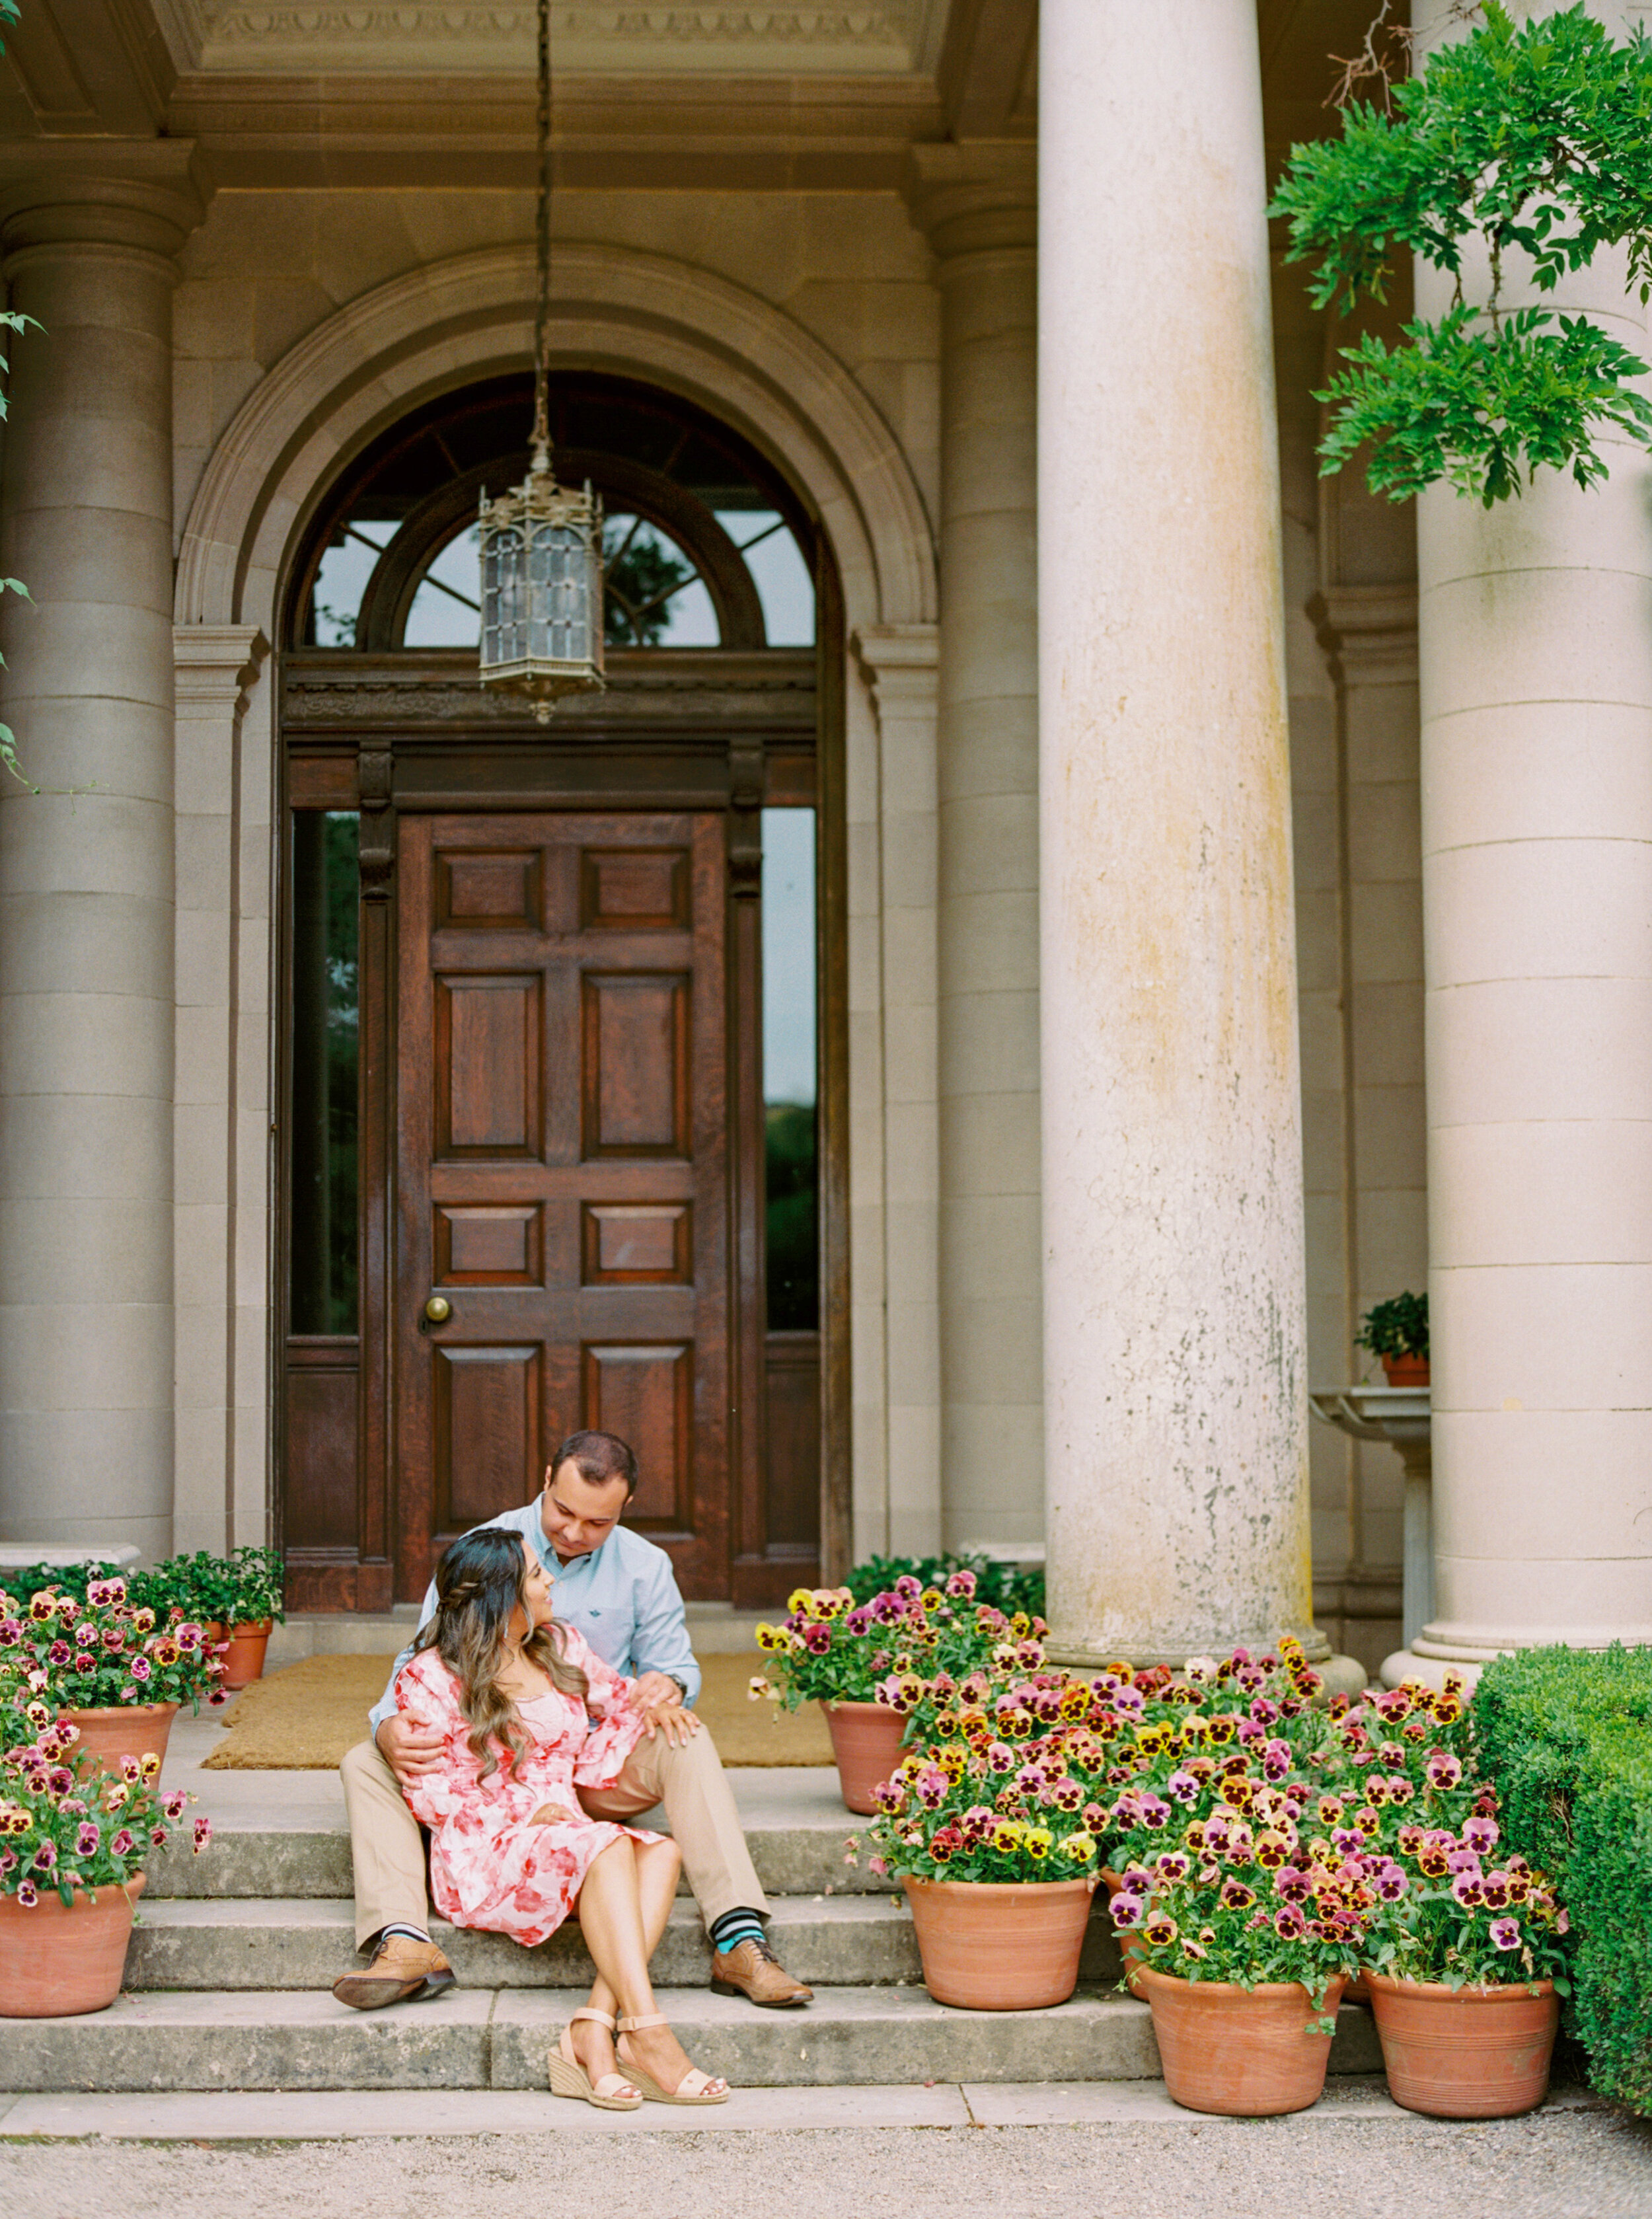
728	730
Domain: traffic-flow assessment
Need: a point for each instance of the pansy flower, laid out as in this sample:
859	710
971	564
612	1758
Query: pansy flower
1505	1934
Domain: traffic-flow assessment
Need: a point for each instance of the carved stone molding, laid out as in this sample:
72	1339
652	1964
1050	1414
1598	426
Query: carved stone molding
974	199
895	36
1369	633
215	666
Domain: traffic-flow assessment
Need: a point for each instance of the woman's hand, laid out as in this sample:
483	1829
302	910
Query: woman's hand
670	1718
552	1814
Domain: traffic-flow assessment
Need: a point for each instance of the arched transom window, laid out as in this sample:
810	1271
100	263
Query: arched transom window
704	547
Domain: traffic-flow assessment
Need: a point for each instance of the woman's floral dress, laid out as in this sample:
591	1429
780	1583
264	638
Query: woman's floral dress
489	1867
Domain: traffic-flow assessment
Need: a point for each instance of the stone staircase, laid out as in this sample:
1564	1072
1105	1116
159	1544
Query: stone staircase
233	1959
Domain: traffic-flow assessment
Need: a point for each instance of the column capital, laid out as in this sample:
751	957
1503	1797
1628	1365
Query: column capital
974	197
145	195
1369	633
216	666
902	661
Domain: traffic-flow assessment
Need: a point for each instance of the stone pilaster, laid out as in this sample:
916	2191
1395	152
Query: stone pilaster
221	1114
977	204
1174	1395
899	660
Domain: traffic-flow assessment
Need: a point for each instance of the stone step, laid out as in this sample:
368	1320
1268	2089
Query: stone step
494	2038
254	1943
300	1852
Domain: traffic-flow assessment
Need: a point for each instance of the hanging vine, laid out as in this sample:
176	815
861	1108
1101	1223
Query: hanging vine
1523	147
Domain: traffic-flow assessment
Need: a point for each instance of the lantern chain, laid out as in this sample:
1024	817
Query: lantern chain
541	322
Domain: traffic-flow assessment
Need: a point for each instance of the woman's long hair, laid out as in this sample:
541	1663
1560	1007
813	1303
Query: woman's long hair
479	1582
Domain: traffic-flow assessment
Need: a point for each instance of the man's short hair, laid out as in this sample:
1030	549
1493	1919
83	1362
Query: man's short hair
598	1458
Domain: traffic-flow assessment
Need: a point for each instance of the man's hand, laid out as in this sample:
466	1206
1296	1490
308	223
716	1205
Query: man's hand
661	1701
409	1747
552	1814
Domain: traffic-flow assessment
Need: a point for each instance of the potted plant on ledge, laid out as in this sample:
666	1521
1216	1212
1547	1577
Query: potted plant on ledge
258	1605
1396	1332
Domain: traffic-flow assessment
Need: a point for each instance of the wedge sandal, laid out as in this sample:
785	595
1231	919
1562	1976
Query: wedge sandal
694	2087
615	2091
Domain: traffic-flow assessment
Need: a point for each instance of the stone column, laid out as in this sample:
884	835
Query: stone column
86	868
1175	1395
977	204
1536	649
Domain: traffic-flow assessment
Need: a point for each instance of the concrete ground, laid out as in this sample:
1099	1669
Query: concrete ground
1353	2159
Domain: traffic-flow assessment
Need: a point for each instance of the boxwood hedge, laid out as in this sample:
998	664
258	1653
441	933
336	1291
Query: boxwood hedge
1567	1735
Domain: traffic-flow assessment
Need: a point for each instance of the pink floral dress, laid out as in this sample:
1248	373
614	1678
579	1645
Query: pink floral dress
489	1867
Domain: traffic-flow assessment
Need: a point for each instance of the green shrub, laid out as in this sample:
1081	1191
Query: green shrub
1008	1588
1567	1734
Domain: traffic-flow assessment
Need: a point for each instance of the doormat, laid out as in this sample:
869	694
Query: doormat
303	1718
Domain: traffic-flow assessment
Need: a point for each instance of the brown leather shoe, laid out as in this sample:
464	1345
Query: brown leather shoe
751	1968
401	1971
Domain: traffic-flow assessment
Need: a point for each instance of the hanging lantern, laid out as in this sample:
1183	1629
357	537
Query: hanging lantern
542	608
542	589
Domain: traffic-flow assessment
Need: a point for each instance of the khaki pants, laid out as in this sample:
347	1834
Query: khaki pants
388	1850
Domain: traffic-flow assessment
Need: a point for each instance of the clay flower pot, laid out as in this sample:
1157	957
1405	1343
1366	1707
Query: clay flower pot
1465	2053
867	1742
125	1730
244	1658
58	1963
1000	1945
1406	1371
1246	2053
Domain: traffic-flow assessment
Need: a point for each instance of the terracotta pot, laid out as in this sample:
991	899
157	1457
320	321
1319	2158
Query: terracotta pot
1247	2053
244	1659
1131	1944
1406	1371
57	1963
125	1730
1000	1945
1357	1990
867	1742
1465	2053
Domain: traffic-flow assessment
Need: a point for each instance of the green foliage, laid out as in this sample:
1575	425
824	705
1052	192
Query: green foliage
260	1577
212	1590
1568	1736
1007	1588
1533	141
1399	1327
641	572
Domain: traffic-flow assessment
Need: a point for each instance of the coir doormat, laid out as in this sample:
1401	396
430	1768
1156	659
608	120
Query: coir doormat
303	1718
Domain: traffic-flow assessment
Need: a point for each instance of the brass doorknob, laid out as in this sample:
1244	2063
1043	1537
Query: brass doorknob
437	1311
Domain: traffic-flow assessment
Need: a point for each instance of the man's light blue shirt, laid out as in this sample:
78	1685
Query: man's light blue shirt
623	1597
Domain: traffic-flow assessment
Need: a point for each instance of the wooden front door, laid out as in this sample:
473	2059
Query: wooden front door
563	1170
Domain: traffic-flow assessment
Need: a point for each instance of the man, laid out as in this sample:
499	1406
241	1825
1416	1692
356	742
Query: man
620	1591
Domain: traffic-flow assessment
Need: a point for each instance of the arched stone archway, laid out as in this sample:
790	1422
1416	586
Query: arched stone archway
616	309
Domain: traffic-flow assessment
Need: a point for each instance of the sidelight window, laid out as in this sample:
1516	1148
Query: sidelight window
790	1064
322	1248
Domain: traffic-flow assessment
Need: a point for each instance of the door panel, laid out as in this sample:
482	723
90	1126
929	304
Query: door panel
563	1172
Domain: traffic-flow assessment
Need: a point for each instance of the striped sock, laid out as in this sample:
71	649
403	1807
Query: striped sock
733	1928
413	1933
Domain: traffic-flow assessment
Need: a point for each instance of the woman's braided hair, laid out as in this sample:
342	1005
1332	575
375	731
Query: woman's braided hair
478	1583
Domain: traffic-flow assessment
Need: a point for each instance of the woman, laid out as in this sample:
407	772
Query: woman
528	1710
